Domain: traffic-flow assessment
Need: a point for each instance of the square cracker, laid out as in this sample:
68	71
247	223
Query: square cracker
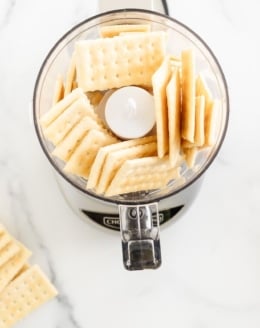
70	76
187	144
66	147
5	238
142	174
175	61
83	157
108	63
95	97
199	136
23	295
74	85
24	268
190	156
115	159
103	152
160	80
58	90
211	118
8	251
130	33
56	110
202	89
9	247
13	266
188	95
173	92
58	129
110	31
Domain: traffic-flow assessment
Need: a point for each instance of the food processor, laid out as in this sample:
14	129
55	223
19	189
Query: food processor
137	215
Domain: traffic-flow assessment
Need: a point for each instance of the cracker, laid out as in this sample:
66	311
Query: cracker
115	159
66	147
5	238
13	266
108	63
97	166
58	129
60	107
58	90
190	156
190	149
202	89
188	95
114	30
83	157
25	267
24	294
95	97
187	144
8	252
175	62
142	174
70	76
74	85
174	116
130	33
211	123
8	246
199	136
160	80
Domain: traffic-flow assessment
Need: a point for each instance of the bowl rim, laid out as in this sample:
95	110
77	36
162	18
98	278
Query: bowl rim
119	201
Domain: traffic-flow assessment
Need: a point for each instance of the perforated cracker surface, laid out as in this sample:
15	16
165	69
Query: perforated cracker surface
142	174
23	295
13	266
108	63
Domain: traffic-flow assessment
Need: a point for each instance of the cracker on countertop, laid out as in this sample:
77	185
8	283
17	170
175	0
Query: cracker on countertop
23	295
13	266
8	251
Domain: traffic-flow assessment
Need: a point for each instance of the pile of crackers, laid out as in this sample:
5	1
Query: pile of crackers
23	287
127	55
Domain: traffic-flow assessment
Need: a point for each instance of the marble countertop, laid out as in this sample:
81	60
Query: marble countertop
210	275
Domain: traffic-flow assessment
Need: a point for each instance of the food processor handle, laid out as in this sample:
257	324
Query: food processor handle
139	225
